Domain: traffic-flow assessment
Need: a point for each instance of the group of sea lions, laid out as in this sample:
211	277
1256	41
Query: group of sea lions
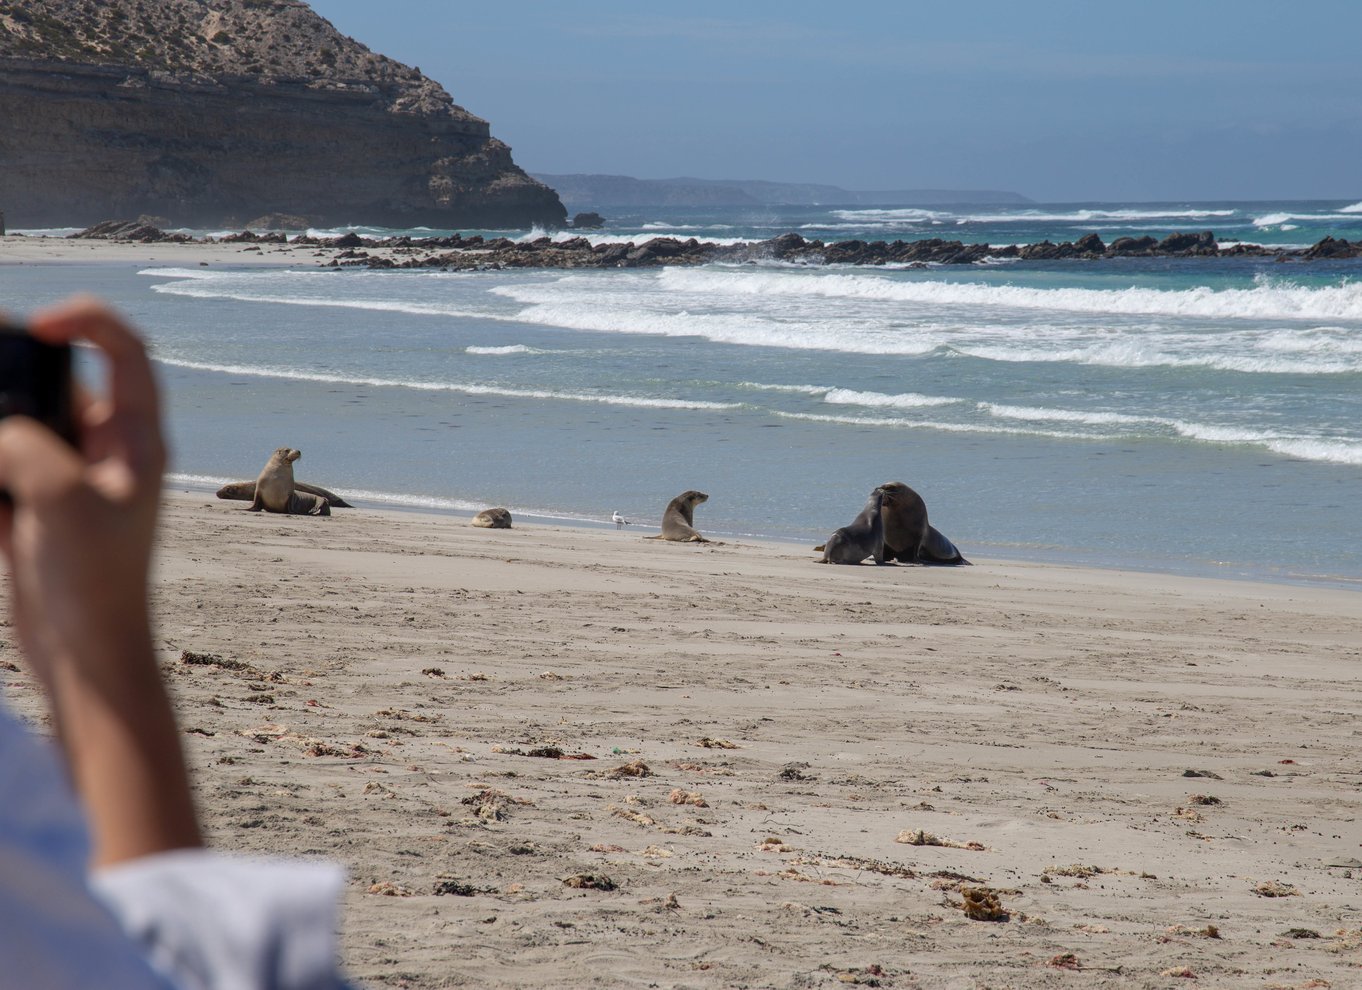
892	527
276	490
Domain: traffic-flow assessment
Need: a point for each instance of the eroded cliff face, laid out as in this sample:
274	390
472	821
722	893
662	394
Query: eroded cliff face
212	112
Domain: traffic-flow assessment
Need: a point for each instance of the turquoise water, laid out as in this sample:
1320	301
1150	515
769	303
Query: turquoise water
1170	414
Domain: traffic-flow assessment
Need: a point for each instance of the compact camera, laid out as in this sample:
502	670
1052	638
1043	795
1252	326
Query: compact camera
35	380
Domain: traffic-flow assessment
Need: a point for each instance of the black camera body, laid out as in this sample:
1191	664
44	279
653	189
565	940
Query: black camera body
35	380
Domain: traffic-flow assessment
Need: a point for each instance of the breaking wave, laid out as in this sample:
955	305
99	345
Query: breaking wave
294	374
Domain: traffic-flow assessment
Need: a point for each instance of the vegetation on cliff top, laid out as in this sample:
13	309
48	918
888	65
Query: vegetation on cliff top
270	40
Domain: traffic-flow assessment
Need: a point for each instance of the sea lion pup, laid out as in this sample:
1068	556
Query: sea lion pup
678	522
863	538
244	491
274	489
497	518
908	536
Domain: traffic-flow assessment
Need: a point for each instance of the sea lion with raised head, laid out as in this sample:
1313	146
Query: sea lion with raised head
908	537
497	518
274	488
244	491
863	538
678	521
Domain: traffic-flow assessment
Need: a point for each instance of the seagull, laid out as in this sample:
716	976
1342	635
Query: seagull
619	520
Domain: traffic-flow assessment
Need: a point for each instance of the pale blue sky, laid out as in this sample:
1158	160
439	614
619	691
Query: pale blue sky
1061	100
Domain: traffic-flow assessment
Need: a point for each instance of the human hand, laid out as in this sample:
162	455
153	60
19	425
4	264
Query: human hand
78	534
77	539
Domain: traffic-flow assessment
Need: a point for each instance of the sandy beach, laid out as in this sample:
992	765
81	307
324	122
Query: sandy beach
556	757
28	250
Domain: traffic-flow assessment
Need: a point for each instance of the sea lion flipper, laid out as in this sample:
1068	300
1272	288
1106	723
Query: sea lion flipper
332	499
937	549
307	504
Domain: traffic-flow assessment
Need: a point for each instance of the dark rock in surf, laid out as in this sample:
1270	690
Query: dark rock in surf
1331	248
1090	245
1188	243
1132	245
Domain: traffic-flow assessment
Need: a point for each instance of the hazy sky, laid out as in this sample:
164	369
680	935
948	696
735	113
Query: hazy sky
1061	100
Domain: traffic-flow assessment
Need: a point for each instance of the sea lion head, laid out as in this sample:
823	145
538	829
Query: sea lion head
893	491
288	454
694	497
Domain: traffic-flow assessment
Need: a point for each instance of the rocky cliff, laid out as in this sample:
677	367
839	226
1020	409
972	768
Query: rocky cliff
213	112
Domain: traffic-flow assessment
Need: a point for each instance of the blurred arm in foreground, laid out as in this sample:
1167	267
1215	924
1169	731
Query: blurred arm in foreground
77	540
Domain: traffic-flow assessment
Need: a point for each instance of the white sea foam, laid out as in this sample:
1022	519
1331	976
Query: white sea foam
748	329
1046	415
1269	299
905	400
508	349
1340	451
800	389
1354	208
199	480
944	427
295	374
1138	354
1029	216
891	215
1332	451
1283	220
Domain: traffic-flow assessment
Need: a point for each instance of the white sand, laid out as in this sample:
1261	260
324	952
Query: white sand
25	250
1048	714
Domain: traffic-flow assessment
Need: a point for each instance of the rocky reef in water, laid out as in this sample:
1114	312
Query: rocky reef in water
476	253
208	112
479	253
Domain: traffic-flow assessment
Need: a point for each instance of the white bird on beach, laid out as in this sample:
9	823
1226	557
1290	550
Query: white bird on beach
618	519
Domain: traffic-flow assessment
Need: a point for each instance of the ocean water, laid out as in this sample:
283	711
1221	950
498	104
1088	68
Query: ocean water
1178	415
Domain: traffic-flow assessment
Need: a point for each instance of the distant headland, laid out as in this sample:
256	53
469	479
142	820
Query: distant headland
209	114
589	192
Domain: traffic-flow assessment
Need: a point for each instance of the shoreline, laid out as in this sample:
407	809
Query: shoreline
543	754
991	554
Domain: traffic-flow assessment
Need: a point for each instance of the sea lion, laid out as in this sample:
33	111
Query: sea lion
274	489
678	521
863	538
244	491
908	536
497	518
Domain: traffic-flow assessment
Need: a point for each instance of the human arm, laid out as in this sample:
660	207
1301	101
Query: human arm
77	538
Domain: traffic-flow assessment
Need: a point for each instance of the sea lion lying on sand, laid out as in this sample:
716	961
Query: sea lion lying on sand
907	535
492	519
275	488
863	538
678	521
